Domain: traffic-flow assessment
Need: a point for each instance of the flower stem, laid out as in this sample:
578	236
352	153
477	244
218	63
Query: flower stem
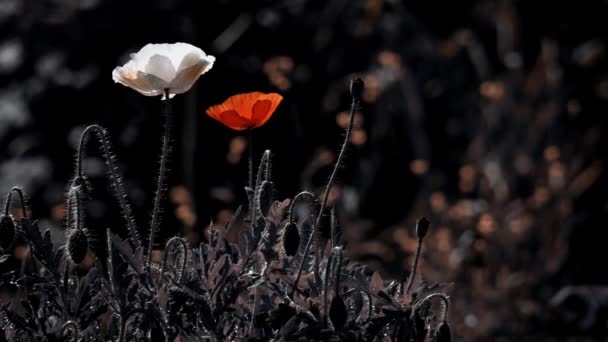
442	297
250	147
353	107
161	182
115	179
414	269
349	129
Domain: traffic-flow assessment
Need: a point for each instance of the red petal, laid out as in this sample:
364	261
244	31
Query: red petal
264	107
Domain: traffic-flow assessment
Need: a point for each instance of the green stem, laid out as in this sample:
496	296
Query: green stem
328	189
161	182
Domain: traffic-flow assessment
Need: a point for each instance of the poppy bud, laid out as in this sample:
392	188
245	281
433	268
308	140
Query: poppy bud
443	332
78	245
337	312
356	88
422	227
291	239
7	231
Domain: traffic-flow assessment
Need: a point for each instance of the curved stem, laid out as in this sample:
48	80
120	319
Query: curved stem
160	184
299	197
184	247
414	269
444	299
70	326
308	243
19	192
115	178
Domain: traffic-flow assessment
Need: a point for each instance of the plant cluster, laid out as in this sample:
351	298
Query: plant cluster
279	280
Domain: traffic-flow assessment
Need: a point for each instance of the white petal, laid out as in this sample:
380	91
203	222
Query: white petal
189	72
156	67
161	67
135	80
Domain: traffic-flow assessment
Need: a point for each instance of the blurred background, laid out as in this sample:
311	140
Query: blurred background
488	117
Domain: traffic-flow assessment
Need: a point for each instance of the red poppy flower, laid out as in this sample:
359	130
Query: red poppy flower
245	111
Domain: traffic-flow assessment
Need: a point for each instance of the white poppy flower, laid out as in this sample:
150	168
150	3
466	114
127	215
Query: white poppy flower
157	67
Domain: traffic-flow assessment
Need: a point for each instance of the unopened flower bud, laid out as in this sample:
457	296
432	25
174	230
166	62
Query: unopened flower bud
78	245
356	88
422	227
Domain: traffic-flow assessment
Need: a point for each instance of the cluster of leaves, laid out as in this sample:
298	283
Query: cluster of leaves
221	290
277	280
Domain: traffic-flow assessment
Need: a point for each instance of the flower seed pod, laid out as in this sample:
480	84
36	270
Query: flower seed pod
291	239
422	227
356	88
443	332
7	231
78	245
337	312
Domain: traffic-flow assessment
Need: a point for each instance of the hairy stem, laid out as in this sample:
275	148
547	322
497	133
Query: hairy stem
328	188
442	297
353	107
296	199
178	242
161	182
115	179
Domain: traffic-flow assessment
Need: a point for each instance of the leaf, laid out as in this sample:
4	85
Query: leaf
126	252
290	327
217	271
376	283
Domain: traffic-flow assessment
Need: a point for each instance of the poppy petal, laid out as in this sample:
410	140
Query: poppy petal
228	117
242	103
264	107
233	120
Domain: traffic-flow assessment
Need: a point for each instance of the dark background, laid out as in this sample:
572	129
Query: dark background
488	117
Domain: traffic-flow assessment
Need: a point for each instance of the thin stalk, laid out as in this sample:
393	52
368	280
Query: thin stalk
333	227
115	179
19	192
253	312
161	182
325	288
349	129
299	197
353	106
250	148
444	299
414	269
179	242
